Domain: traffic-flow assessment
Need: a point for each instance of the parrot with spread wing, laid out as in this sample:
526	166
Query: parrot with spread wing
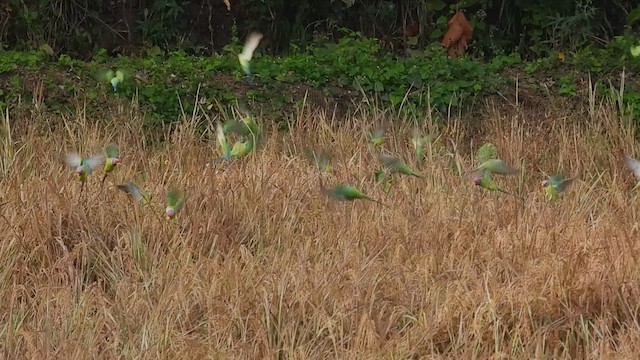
555	184
245	56
83	166
418	144
320	159
377	137
242	148
496	166
396	165
113	77
223	142
134	191
175	202
112	158
486	152
634	166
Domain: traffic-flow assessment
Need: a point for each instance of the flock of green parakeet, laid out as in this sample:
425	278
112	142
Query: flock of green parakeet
249	137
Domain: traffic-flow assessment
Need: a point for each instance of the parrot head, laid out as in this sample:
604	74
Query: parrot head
545	182
477	180
170	213
80	170
115	161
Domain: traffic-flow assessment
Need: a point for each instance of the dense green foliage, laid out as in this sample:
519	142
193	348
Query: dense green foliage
530	28
166	85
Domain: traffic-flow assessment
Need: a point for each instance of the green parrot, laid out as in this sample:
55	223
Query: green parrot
242	148
247	126
175	202
635	51
377	137
245	56
83	166
396	165
486	152
320	159
418	144
384	179
114	78
345	192
133	190
496	166
112	158
555	184
484	180
634	166
223	142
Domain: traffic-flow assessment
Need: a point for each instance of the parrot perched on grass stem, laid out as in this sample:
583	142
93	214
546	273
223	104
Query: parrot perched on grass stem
83	166
175	201
554	185
112	158
250	45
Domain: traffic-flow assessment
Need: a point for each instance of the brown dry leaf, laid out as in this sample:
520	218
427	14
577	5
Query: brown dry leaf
228	3
457	38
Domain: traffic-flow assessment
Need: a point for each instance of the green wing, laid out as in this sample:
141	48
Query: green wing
120	75
487	152
112	151
175	199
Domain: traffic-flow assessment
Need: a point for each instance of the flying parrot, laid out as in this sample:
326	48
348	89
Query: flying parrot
484	180
345	192
394	164
112	158
223	142
418	143
496	166
114	78
245	56
486	152
83	166
555	184
133	190
320	159
384	179
377	137
175	201
634	166
242	148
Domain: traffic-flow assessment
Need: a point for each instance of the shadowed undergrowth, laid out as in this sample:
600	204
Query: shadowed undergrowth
261	265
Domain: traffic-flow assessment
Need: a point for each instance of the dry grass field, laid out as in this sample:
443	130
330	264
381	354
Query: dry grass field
261	265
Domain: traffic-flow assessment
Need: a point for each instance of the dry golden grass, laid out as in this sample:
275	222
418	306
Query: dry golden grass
261	265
